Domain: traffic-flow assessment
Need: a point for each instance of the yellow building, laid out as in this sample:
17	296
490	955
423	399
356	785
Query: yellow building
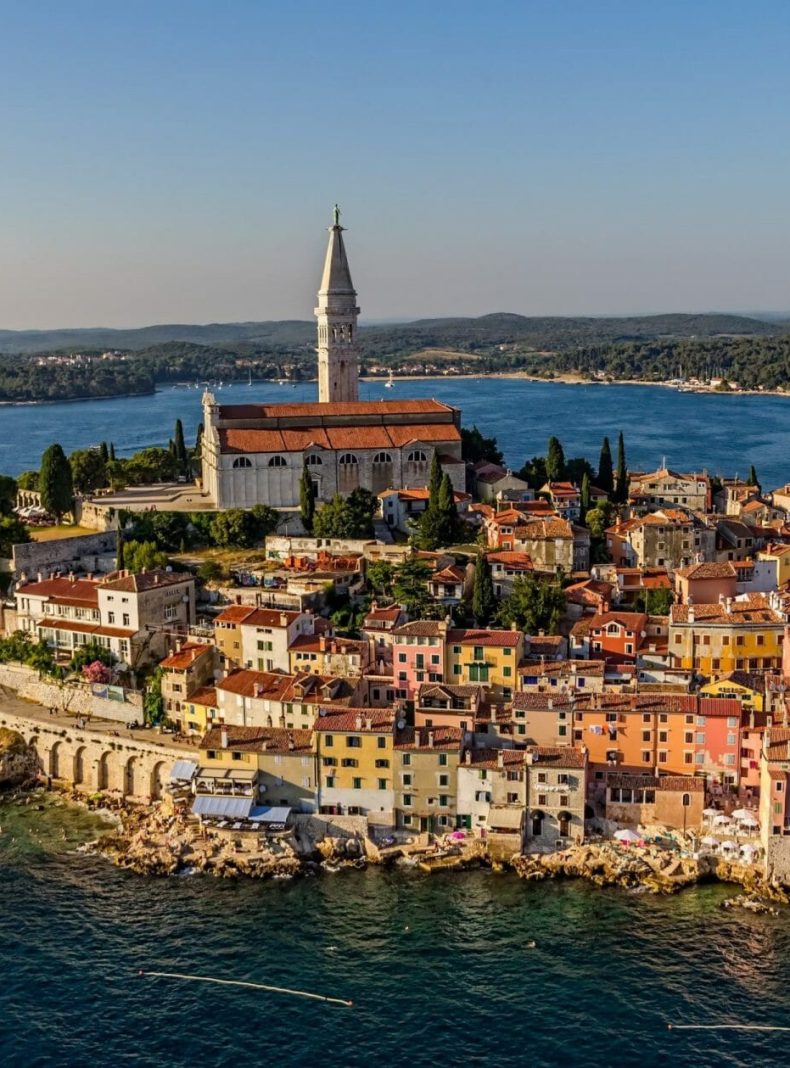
187	670
426	778
227	633
355	763
743	634
199	711
490	657
743	687
266	765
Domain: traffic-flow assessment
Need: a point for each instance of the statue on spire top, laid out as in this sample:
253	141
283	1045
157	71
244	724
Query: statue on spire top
336	215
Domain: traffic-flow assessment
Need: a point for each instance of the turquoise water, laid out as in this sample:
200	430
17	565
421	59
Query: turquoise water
723	434
460	986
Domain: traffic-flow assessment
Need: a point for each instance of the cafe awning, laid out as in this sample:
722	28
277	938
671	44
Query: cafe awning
270	815
183	771
237	808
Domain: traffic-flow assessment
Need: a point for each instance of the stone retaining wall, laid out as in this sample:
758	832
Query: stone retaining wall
77	698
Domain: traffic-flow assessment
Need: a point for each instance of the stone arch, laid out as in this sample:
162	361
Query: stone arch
103	771
55	769
78	769
130	777
157	784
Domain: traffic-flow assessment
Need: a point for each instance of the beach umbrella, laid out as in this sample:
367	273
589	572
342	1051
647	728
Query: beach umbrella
710	812
710	841
721	819
749	821
741	814
729	844
747	848
627	836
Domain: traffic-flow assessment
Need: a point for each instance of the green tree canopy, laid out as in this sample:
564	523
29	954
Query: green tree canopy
379	577
28	480
12	532
349	518
483	597
533	605
143	556
621	479
151	465
534	472
475	447
169	529
54	482
410	587
555	461
7	494
88	470
605	479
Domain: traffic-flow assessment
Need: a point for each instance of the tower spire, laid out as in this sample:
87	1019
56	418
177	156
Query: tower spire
337	312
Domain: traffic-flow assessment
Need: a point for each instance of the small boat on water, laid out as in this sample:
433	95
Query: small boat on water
390	382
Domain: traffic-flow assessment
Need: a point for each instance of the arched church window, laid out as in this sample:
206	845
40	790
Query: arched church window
348	458
382	458
278	461
314	461
242	461
350	332
417	456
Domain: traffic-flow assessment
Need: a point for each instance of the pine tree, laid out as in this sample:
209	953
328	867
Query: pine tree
585	495
621	484
483	597
54	482
605	478
434	481
306	499
555	461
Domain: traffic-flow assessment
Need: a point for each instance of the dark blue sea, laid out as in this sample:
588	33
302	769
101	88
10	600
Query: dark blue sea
718	433
439	967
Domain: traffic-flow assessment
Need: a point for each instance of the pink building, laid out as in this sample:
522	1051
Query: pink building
417	656
718	739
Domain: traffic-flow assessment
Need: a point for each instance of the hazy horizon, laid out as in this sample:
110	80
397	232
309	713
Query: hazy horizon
177	162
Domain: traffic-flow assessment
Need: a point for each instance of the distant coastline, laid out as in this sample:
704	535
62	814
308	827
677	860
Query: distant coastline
75	400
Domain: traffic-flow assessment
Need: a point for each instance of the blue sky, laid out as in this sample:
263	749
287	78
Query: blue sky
173	161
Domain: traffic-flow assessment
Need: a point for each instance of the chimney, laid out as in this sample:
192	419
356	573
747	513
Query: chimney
550	704
368	723
691	613
322	643
358	723
40	577
430	739
467	756
283	619
157	576
224	737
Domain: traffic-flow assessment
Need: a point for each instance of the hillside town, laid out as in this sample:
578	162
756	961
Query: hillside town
421	642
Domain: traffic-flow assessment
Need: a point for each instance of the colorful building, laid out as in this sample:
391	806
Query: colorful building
744	634
490	657
355	763
418	656
426	778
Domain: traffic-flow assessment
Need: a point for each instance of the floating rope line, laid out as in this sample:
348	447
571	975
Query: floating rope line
725	1027
253	986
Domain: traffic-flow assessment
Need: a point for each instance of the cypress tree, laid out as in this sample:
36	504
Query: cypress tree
112	451
483	598
621	486
306	499
434	481
119	559
54	482
447	513
104	451
605	478
555	461
180	449
585	494
753	480
198	439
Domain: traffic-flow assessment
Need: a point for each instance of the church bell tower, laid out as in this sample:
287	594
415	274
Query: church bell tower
337	311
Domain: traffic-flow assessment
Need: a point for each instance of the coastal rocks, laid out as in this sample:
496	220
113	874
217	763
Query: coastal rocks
603	864
750	904
19	763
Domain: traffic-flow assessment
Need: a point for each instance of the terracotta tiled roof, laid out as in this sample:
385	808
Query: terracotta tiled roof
185	657
558	756
310	643
709	570
146	580
376	436
270	617
206	695
562	667
54	623
489	758
754	608
382	409
506	638
81	593
355	720
511	559
234	613
429	738
420	628
259	739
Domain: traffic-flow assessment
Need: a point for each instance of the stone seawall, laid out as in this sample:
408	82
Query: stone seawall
96	760
76	699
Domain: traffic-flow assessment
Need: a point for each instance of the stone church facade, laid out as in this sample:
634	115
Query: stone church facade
255	453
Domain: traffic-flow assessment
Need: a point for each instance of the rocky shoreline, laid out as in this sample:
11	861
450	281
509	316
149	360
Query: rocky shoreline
155	842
